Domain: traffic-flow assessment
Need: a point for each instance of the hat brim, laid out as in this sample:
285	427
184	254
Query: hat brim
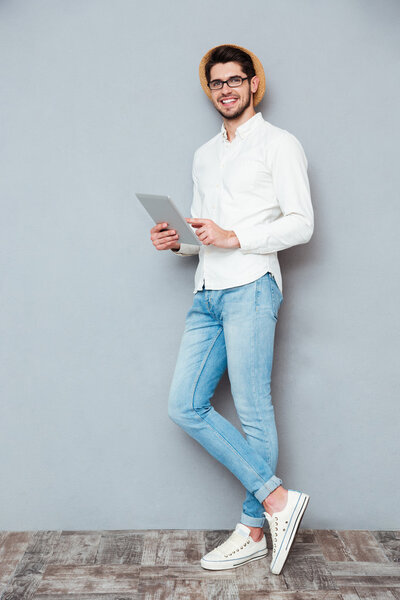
257	67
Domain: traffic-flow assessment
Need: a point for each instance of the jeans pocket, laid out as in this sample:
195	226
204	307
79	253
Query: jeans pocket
276	285
265	297
276	294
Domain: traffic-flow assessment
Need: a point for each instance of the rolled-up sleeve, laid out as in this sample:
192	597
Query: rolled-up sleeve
192	249
288	164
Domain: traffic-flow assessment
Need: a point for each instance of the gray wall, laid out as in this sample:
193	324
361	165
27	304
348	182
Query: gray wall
101	98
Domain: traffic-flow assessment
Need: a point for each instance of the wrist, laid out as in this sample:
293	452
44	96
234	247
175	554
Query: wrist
233	240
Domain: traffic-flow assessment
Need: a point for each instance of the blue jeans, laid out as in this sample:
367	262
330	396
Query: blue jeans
232	328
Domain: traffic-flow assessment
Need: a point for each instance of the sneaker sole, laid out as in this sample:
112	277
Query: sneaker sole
280	559
223	565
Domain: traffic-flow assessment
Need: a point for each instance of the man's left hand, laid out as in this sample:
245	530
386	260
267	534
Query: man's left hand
210	233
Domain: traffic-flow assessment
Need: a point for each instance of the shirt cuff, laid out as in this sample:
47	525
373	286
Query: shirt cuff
187	250
245	235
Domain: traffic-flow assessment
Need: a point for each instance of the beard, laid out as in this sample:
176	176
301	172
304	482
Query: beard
239	111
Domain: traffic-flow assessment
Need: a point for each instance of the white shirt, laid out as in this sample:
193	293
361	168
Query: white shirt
257	186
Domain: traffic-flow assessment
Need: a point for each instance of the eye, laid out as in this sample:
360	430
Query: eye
216	83
235	80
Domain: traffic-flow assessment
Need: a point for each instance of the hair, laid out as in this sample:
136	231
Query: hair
225	54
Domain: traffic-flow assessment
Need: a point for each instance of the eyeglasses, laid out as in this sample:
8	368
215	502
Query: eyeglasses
217	84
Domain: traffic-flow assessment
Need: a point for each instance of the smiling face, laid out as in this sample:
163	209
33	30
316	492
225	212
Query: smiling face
232	102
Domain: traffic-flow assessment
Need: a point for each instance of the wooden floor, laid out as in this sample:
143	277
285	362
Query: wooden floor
164	564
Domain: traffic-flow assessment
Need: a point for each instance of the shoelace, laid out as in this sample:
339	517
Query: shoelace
233	544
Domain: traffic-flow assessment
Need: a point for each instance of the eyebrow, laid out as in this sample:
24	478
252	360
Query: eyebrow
235	75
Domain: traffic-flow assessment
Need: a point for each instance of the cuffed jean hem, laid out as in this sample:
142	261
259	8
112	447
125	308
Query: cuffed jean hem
252	521
267	488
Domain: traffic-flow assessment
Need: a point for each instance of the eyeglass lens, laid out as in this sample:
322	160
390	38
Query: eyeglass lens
232	82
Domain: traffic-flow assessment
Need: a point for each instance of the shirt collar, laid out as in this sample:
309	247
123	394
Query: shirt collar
245	128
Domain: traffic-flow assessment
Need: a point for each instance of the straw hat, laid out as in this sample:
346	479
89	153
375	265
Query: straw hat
257	67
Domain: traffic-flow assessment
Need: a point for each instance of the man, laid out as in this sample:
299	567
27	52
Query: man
251	198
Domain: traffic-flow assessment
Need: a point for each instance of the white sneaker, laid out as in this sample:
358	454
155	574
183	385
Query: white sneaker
284	525
237	550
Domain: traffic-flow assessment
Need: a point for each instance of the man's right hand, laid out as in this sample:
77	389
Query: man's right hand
164	240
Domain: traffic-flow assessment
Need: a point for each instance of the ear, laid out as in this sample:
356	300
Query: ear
254	83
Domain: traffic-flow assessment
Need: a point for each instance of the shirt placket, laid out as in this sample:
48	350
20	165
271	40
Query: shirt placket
226	151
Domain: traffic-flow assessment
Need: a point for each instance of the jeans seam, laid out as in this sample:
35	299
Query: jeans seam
211	426
257	407
255	395
273	302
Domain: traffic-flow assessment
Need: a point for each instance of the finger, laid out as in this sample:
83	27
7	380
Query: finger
197	221
166	245
201	230
205	241
165	240
162	234
197	224
158	227
160	244
167	233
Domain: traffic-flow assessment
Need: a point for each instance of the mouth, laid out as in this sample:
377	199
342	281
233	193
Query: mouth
230	101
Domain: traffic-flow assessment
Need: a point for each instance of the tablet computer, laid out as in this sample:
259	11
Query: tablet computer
162	209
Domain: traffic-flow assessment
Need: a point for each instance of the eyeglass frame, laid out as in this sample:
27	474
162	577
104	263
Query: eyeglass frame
226	81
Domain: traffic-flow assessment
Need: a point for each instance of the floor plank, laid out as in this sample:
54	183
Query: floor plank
365	574
331	544
166	589
256	577
166	548
80	596
105	579
299	595
12	547
28	573
75	549
120	549
370	593
362	546
306	569
390	543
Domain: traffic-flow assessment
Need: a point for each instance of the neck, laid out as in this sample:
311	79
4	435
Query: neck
232	124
